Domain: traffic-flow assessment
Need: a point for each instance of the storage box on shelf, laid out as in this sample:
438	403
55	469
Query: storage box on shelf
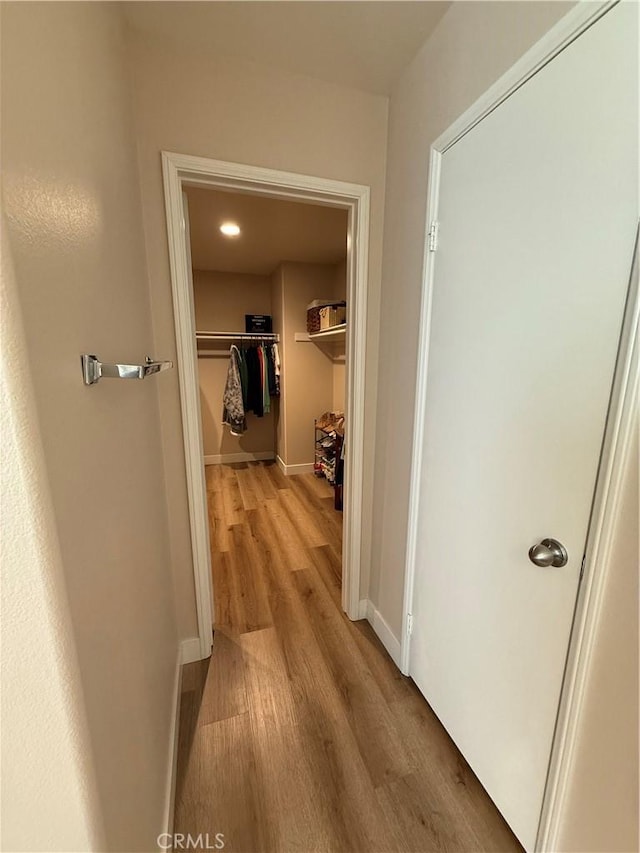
323	314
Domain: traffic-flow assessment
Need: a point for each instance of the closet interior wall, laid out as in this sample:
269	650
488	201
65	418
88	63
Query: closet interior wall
313	374
312	379
338	352
221	300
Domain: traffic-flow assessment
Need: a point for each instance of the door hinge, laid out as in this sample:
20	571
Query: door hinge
433	236
584	560
409	624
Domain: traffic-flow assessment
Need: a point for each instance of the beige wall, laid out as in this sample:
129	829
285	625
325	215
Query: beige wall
602	804
221	299
307	371
338	384
70	186
340	281
339	364
221	302
42	702
222	108
453	68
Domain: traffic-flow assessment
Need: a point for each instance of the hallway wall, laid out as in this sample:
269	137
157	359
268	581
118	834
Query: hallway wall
197	103
42	702
71	194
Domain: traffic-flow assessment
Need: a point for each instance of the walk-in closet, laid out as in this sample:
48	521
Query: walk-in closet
270	306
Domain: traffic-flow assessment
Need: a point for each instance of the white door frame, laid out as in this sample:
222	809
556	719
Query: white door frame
180	169
618	437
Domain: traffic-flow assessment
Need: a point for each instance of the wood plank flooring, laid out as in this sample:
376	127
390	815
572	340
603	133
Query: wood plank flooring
300	734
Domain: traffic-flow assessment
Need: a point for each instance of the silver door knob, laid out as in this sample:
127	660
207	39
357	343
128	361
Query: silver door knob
549	552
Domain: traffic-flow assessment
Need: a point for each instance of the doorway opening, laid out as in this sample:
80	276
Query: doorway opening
269	283
340	352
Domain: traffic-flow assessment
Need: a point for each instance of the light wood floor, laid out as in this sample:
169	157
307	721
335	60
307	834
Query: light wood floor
300	734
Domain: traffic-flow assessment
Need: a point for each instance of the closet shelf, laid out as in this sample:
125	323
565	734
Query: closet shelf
333	332
237	336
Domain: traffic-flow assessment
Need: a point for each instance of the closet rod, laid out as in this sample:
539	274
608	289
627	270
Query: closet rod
237	336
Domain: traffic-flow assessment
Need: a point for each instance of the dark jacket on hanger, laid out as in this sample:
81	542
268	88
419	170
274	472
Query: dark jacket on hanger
255	401
244	376
274	389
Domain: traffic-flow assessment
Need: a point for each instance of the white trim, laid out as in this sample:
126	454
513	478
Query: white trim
620	433
355	351
172	764
190	650
290	470
362	608
184	319
619	429
226	458
428	267
179	169
382	630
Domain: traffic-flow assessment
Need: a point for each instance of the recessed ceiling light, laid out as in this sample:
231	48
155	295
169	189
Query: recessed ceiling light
230	229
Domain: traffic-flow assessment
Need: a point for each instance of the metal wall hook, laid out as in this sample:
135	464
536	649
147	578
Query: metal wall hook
93	369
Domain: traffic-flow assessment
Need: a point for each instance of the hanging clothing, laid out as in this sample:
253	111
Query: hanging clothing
233	412
274	391
253	378
276	368
266	399
244	376
255	398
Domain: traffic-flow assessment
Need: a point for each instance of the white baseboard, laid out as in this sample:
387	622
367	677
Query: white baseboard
226	458
190	650
363	608
384	632
174	730
289	470
306	468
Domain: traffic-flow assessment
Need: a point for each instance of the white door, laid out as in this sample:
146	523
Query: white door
537	214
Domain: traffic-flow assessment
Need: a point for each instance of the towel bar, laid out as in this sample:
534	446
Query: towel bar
93	369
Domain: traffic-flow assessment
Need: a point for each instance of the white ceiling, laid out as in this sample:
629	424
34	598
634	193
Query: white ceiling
271	231
361	44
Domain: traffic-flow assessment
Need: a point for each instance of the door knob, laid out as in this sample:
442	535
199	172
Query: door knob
549	552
